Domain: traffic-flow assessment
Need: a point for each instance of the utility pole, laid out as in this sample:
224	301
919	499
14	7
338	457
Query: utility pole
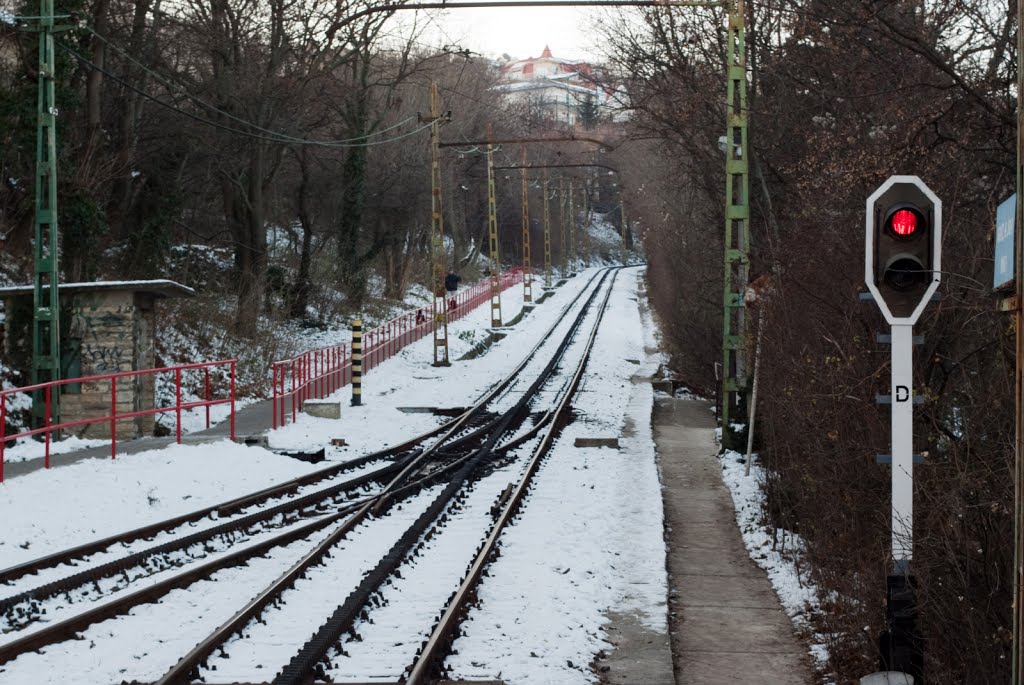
572	230
527	280
547	234
46	277
623	225
737	223
438	256
562	224
586	212
492	231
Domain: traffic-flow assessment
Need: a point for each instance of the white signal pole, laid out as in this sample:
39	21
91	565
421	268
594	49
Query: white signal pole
902	446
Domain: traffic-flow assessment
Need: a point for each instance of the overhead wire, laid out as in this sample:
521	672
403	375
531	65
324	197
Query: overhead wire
454	90
277	134
281	139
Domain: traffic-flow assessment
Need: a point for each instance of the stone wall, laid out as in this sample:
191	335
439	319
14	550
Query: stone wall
112	332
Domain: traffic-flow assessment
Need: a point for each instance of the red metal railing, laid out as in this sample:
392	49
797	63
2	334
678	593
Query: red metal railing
318	373
385	341
113	417
313	374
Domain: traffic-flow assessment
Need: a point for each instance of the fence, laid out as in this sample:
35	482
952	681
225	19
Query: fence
93	384
318	373
313	374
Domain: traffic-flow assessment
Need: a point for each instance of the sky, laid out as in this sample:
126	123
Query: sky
521	32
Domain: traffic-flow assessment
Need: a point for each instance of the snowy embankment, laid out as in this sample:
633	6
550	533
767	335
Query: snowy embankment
778	554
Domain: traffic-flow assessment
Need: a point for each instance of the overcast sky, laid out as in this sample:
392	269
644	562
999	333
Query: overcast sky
520	32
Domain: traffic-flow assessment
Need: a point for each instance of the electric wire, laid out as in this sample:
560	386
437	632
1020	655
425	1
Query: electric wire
19	17
465	53
288	140
274	136
210	107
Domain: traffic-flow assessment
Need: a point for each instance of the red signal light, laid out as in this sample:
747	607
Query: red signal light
904	223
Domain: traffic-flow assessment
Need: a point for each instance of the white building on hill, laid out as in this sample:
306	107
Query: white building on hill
564	90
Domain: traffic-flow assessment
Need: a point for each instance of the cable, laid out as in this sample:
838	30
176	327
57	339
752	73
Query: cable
276	139
18	17
451	43
202	103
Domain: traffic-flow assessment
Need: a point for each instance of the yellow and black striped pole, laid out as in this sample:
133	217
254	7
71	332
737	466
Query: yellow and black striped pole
357	362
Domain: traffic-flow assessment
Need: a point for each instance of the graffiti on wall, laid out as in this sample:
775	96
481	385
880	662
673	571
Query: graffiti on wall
102	332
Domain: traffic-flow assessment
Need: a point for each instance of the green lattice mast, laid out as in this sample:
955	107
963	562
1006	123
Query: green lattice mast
737	220
45	299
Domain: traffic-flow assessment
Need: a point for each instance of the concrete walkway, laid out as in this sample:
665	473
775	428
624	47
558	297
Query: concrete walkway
250	421
726	622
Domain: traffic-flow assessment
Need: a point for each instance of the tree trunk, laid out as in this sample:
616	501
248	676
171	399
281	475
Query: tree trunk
94	81
298	293
353	272
243	202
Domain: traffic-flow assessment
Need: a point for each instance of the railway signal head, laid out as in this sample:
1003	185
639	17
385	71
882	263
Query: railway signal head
903	235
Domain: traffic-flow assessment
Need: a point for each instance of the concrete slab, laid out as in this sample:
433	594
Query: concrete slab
640	655
732	668
730	628
706	590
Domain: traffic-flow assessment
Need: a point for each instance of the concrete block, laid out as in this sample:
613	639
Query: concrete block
665	386
597	442
322	409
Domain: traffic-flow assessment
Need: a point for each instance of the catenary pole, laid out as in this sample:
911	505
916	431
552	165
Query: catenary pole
562	225
492	232
737	223
439	258
46	276
547	232
623	227
527	276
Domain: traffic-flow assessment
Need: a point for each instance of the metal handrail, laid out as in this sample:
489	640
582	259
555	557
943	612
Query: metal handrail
114	416
315	374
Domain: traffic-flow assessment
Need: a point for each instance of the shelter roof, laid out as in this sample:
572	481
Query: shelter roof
157	288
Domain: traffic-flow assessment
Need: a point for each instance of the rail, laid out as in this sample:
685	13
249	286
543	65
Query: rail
315	374
95	388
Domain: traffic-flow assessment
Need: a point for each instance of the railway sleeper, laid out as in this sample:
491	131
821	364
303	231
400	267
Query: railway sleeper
344	617
151	561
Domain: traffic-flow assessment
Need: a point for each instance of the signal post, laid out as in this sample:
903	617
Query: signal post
902	253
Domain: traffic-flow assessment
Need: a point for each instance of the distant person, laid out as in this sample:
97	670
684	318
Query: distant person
420	317
451	284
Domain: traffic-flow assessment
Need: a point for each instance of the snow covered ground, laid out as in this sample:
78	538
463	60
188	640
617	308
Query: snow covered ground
589	537
588	543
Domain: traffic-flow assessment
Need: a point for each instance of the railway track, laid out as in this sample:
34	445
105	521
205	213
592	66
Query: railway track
403	499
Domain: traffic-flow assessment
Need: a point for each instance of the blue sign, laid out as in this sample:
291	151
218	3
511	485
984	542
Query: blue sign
1006	215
